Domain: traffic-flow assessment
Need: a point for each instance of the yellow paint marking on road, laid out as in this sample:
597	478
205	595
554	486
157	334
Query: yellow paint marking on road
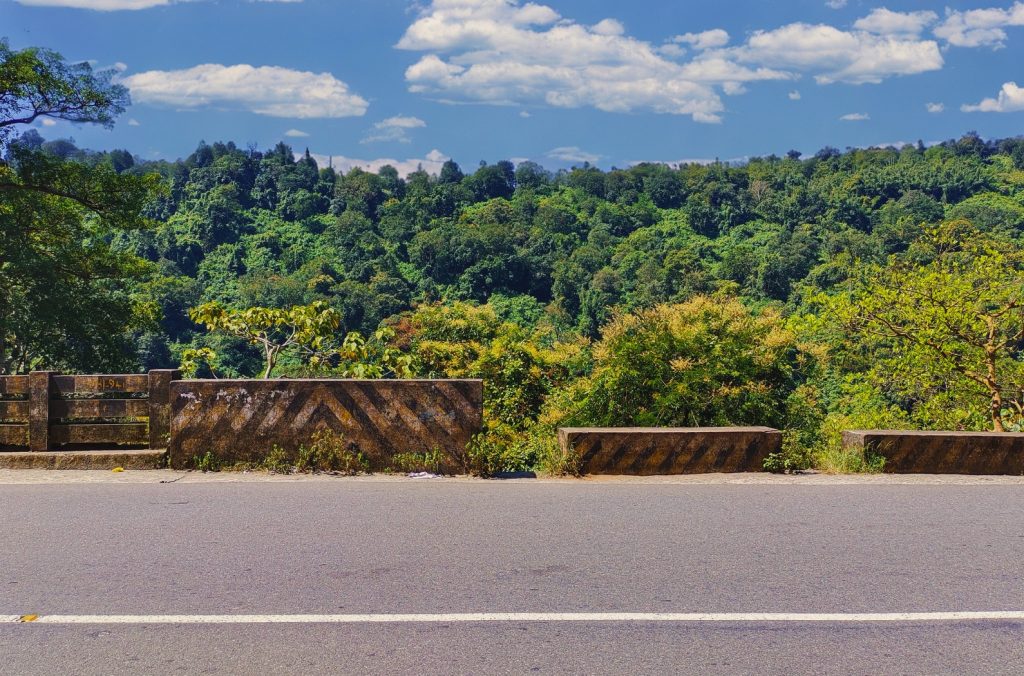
28	618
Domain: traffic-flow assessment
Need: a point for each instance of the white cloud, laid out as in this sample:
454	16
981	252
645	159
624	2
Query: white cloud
1009	100
834	55
980	27
524	114
886	22
608	27
265	90
504	52
705	40
431	163
132	122
836	4
296	133
855	117
705	161
794	95
572	154
671	50
48	122
935	108
394	129
893	144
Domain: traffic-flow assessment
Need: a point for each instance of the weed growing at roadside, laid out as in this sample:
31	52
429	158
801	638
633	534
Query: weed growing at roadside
432	461
793	457
208	462
327	452
277	461
833	458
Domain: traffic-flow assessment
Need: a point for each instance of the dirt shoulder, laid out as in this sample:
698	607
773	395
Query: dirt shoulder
28	477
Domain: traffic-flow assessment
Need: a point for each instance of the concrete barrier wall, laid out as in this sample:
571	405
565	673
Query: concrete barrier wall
654	451
908	452
242	420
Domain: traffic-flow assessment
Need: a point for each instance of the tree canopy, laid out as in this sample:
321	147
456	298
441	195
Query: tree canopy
66	300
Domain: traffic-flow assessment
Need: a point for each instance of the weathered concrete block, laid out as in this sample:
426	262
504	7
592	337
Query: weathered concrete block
242	420
84	460
650	451
908	452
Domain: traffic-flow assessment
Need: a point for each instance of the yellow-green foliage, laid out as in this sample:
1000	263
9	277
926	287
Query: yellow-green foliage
306	328
939	328
519	367
709	361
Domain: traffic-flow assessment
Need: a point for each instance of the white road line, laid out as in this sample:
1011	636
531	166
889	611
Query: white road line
517	617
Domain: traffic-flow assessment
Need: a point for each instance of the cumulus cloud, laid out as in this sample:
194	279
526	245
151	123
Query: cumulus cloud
980	27
834	55
505	52
886	22
836	4
704	40
265	90
132	122
394	129
296	133
855	117
794	95
430	163
935	108
572	154
1009	100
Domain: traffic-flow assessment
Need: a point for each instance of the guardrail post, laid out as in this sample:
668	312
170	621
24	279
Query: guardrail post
40	391
160	405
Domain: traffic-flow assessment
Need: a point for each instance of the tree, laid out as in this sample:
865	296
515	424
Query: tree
306	328
37	82
65	301
948	316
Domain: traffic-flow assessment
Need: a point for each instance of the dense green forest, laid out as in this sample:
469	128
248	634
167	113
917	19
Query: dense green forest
873	287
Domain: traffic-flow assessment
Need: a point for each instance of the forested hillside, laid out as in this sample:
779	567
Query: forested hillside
261	228
698	294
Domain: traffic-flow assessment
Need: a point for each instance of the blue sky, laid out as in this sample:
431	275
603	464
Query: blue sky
556	81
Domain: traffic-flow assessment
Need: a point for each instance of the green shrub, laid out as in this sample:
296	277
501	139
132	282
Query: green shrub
431	461
208	462
328	452
277	461
707	362
832	457
794	456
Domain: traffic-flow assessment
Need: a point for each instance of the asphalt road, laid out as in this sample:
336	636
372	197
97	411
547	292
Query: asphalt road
355	547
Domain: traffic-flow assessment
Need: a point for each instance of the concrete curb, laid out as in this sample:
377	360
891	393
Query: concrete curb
84	460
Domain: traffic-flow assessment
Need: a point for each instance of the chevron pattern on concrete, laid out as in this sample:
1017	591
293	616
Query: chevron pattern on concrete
242	420
654	451
910	452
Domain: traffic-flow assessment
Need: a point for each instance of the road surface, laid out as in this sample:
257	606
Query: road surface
321	576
